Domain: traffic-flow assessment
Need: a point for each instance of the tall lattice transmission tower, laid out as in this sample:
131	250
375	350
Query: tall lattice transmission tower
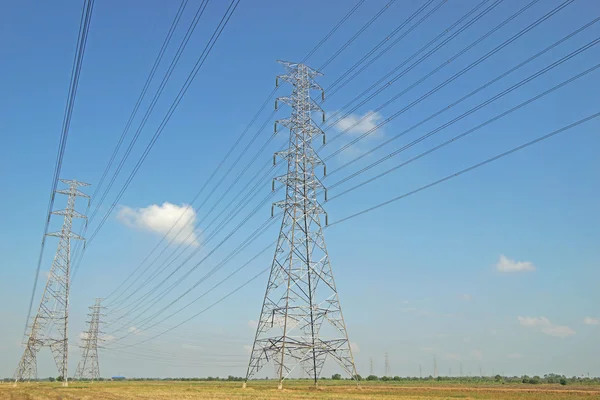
50	325
301	322
89	368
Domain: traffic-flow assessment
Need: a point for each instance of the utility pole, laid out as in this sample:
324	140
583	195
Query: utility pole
420	372
298	323
435	368
88	367
371	366
461	371
387	365
50	324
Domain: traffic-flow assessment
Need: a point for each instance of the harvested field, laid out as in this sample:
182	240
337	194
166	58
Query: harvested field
292	390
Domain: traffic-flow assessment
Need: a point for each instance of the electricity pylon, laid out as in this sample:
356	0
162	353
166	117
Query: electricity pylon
50	324
89	368
301	321
387	365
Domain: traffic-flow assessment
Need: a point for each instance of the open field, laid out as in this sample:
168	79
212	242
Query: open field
292	390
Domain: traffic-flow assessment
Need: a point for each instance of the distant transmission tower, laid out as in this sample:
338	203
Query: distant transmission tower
89	368
387	365
50	324
371	366
435	368
299	323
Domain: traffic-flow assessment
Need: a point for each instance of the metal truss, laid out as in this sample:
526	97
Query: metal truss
301	322
50	325
89	368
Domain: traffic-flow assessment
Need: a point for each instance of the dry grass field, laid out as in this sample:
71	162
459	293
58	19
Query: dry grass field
293	390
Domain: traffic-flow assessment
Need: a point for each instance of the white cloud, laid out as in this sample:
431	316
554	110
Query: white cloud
253	324
107	338
591	321
408	309
248	348
477	354
192	347
515	356
546	326
177	222
359	124
354	347
466	297
134	330
534	321
452	356
505	264
561	331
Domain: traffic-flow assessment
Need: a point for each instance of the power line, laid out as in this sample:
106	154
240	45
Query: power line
357	34
269	97
453	77
136	107
381	43
474	109
150	291
454	175
412	66
455	138
530	143
260	151
84	26
205	53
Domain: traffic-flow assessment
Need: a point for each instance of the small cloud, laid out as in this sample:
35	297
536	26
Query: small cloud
466	297
515	356
248	348
534	321
176	222
452	356
360	124
134	330
408	309
561	331
253	324
354	347
505	264
83	335
427	349
591	321
546	326
192	347
477	354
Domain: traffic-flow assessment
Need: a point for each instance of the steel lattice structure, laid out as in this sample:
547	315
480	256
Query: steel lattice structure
50	324
89	368
301	321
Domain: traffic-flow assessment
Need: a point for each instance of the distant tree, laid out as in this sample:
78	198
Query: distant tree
358	377
336	377
563	381
525	379
498	378
535	380
51	379
397	378
372	378
386	378
60	378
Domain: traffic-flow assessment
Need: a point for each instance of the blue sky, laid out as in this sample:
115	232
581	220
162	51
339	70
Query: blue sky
421	277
